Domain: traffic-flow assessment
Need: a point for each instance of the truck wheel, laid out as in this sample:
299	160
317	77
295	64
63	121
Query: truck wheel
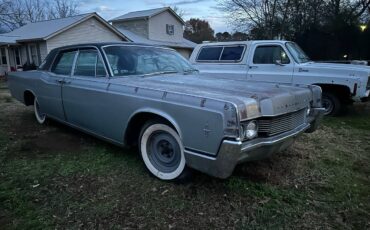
162	151
40	117
331	103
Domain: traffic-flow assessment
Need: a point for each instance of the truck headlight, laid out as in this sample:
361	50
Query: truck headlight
249	130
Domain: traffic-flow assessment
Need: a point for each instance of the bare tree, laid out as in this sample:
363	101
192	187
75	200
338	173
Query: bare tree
179	11
16	13
264	15
63	8
272	18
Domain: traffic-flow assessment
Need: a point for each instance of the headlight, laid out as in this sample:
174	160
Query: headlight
308	111
249	130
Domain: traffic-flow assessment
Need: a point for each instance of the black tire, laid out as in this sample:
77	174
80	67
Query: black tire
162	152
331	103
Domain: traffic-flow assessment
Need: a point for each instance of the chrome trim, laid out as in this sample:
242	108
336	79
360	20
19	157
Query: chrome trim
232	153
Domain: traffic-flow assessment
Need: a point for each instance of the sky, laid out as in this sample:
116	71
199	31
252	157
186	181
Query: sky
203	9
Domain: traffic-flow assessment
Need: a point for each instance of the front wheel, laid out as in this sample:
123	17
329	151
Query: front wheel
40	117
162	151
331	103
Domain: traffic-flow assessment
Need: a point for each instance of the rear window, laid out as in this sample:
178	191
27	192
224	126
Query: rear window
210	54
232	53
221	53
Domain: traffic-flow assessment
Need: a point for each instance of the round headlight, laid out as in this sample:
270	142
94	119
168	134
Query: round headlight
250	130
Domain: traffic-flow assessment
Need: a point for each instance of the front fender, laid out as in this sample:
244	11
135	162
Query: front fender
158	113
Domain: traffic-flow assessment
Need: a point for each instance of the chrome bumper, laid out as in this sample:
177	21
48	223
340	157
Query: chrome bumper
315	118
232	153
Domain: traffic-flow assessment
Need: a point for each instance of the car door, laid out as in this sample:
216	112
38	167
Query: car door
85	98
50	94
270	63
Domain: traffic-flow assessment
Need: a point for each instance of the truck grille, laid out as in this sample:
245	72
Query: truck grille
275	125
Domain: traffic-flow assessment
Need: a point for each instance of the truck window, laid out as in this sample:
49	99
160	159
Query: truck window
232	53
63	63
269	55
210	53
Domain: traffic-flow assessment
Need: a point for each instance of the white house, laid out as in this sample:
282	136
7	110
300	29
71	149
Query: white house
32	42
160	26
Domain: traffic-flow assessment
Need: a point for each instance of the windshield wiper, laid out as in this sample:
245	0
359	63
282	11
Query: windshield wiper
158	73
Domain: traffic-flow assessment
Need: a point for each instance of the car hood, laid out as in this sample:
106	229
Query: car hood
342	69
251	99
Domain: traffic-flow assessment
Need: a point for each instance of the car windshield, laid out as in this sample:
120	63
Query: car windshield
146	61
297	53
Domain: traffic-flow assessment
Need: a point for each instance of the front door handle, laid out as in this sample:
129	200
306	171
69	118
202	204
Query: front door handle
253	67
60	81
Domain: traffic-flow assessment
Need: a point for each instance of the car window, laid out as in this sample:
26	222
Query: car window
89	64
63	63
137	60
270	55
232	53
210	53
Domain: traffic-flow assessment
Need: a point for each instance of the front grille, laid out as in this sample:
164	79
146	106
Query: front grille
275	125
368	83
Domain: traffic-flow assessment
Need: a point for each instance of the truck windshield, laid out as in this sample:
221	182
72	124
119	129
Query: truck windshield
146	61
297	53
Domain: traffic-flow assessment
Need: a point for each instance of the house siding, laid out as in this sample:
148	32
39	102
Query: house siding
90	30
184	52
139	27
43	50
157	27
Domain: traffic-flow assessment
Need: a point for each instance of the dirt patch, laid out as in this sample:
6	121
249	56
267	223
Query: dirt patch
29	138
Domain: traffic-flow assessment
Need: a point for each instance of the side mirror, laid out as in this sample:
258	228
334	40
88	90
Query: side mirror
278	62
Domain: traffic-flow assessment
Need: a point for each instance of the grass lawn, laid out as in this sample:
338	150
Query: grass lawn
52	176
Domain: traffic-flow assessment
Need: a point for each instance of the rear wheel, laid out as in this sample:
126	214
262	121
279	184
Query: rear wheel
162	151
331	103
40	117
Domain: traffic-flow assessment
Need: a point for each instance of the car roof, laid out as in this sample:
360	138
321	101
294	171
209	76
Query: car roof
240	42
101	44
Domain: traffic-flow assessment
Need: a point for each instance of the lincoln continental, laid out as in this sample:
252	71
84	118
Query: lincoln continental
151	97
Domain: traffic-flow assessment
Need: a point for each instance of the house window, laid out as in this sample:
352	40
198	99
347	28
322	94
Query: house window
3	56
33	53
170	29
17	56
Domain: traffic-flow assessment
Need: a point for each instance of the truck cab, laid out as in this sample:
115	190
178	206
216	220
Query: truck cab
284	62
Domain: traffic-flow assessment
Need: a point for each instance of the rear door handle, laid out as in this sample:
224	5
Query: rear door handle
253	67
60	81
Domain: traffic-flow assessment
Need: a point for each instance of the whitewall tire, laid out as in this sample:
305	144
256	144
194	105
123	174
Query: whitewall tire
40	117
162	151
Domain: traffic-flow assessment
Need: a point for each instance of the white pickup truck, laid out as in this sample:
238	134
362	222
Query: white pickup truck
284	62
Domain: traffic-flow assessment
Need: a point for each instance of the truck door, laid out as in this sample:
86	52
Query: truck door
270	63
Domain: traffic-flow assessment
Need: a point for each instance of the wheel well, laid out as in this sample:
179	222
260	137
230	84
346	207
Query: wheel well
28	98
136	124
343	92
